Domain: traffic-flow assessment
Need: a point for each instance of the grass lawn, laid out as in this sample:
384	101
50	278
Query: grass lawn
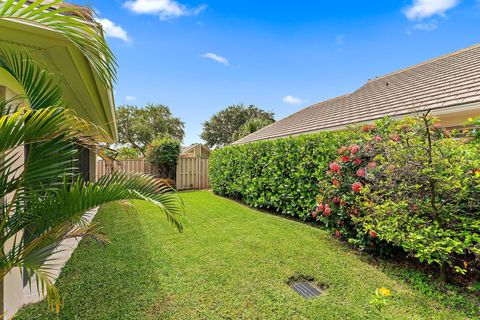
231	262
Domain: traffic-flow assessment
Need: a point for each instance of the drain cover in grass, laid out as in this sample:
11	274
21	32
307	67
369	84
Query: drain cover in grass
306	288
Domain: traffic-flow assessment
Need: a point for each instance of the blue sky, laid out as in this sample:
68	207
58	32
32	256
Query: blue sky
199	56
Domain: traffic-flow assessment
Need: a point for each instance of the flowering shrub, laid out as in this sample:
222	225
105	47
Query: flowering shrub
424	195
404	185
407	184
348	175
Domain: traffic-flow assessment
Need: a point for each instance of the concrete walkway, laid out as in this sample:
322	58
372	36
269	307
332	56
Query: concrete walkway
60	257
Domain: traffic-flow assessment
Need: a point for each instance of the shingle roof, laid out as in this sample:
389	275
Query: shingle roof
447	81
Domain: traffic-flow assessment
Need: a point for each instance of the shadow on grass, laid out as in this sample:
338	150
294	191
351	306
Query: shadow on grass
116	281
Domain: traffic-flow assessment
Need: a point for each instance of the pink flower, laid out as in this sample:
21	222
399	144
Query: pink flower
354	149
337	233
358	161
361	173
328	211
336	183
336	200
314	214
357	186
437	125
342	150
345	159
395	137
335	167
377	138
321	207
372	164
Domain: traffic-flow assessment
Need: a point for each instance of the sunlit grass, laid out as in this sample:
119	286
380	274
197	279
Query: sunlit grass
231	262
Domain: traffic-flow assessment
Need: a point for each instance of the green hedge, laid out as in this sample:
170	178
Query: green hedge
282	174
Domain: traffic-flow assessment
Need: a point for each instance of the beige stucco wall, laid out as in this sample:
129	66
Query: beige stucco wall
452	118
12	286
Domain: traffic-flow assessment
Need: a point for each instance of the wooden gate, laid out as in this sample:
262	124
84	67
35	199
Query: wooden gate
191	173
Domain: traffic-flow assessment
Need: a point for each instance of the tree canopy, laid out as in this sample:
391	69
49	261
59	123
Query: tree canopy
220	129
137	127
250	127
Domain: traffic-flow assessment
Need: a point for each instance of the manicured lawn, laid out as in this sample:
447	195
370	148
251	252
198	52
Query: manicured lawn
231	262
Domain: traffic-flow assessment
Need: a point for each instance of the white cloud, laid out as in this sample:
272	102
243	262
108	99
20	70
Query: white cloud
113	30
130	98
217	58
166	9
421	9
428	26
292	100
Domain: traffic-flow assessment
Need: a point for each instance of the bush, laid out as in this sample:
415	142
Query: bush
407	184
282	175
164	152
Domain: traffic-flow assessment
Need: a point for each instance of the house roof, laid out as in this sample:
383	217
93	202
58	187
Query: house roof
447	81
83	90
187	149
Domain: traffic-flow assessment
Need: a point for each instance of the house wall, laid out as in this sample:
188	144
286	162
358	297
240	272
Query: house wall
11	291
198	151
455	117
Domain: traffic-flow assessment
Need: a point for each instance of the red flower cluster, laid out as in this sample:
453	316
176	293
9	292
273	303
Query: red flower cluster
336	183
335	167
354	149
356	187
327	211
368	127
361	173
325	208
342	150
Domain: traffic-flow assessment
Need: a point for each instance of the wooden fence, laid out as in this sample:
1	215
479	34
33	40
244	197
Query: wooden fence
191	173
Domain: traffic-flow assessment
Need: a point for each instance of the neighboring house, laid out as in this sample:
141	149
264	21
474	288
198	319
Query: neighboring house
83	91
449	86
197	150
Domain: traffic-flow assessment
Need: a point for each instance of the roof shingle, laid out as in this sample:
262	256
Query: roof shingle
447	81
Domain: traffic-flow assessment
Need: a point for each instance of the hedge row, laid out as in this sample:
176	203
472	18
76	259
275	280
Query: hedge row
282	175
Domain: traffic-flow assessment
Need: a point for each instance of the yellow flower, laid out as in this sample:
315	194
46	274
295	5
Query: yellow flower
385	292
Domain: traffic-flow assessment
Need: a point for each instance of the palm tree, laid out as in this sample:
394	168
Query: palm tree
250	127
44	193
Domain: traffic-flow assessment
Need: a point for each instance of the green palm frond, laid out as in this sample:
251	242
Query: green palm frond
46	200
70	202
73	23
31	126
41	88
